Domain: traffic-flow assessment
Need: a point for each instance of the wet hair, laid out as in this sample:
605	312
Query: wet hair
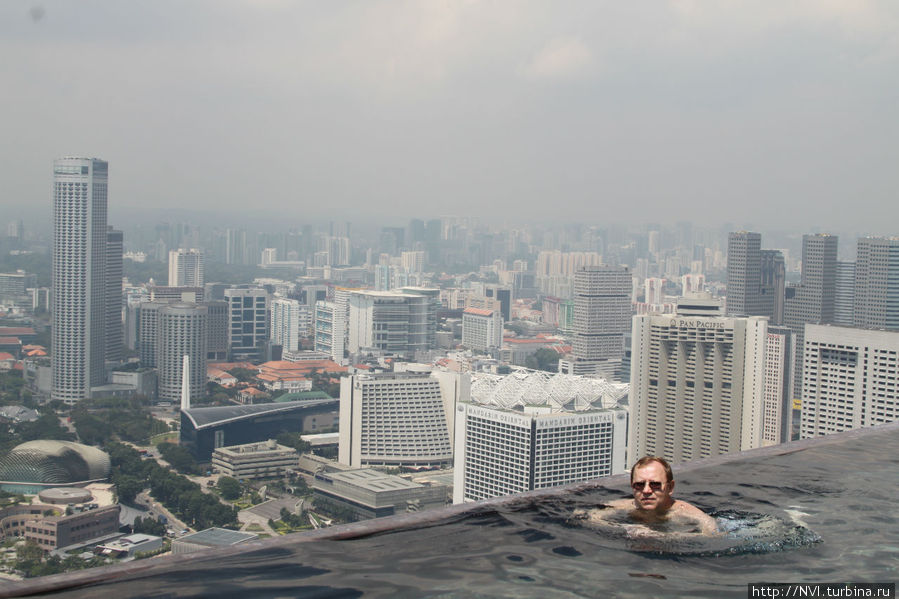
649	459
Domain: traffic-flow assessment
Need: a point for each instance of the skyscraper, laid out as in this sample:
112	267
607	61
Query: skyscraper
877	284
755	278
79	277
186	268
181	332
602	318
850	380
813	300
247	322
744	273
697	385
114	323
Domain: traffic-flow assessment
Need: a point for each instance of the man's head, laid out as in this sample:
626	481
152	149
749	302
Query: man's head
652	483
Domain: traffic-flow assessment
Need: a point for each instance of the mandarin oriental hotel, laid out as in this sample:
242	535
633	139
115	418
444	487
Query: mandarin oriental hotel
504	450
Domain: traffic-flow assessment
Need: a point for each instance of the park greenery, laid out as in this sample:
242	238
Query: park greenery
31	563
181	496
229	488
179	457
98	420
543	359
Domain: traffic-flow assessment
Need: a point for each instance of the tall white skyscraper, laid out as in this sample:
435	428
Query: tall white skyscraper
697	385
186	268
79	277
114	321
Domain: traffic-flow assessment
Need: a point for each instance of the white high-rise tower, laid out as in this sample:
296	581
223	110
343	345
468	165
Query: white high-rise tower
79	277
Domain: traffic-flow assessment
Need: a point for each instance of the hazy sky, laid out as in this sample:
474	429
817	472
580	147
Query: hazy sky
587	111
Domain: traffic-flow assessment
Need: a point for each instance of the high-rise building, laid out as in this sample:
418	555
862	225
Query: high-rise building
114	323
148	332
877	283
482	329
390	322
181	332
79	277
744	273
186	268
777	416
812	302
247	322
844	295
520	433
602	318
697	385
398	419
755	278
285	327
217	313
850	379
773	285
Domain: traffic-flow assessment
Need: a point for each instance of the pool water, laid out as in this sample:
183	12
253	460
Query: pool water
820	511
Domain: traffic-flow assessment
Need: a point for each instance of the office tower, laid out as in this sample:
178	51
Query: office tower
812	301
744	273
181	332
390	322
482	330
877	283
755	278
850	379
773	284
79	277
696	385
217	329
186	268
520	433
504	296
247	322
398	419
285	328
780	356
148	332
844	294
602	317
114	323
236	250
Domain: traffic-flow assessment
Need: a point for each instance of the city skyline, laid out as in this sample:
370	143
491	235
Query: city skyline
613	113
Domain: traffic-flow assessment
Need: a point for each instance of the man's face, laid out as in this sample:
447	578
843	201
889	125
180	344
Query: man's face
644	496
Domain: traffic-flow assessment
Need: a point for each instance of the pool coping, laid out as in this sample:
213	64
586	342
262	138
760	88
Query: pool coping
160	565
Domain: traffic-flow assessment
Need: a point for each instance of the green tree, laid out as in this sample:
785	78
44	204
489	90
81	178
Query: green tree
229	487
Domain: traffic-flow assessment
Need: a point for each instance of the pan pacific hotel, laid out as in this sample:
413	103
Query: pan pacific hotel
704	384
532	430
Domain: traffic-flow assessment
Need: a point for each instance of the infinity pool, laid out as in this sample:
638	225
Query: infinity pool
832	500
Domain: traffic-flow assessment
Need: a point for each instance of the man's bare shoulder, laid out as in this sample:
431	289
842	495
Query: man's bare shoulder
688	510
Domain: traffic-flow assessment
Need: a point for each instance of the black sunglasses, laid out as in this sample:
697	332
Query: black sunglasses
653	484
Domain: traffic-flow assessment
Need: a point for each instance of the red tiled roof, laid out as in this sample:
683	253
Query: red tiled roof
6	356
10	341
478	311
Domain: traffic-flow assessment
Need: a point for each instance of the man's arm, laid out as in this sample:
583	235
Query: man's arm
707	524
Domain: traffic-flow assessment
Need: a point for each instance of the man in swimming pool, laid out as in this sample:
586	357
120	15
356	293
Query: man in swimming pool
652	483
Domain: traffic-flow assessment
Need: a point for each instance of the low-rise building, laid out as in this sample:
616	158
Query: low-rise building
79	526
373	494
255	460
130	546
210	539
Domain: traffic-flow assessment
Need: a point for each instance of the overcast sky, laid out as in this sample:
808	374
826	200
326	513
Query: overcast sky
593	111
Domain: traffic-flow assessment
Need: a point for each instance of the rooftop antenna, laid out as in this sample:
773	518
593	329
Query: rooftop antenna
185	383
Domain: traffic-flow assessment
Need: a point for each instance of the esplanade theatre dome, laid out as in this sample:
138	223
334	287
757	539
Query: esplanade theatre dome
53	464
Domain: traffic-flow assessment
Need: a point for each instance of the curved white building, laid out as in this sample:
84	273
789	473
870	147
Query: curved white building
181	331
